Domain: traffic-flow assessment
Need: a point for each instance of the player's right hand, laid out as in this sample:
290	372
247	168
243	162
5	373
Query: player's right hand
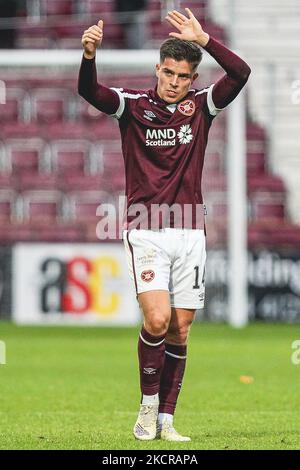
92	38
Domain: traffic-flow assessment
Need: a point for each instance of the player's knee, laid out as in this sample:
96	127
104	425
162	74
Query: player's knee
178	335
156	323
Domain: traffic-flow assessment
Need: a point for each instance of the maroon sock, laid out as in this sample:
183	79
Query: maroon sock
151	350
171	377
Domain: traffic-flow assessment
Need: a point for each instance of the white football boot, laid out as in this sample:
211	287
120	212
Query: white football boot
145	426
166	432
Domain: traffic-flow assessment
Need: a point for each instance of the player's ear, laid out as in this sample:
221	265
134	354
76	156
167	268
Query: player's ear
157	68
195	76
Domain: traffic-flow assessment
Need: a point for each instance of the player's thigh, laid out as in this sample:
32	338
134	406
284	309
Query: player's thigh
148	262
187	274
180	324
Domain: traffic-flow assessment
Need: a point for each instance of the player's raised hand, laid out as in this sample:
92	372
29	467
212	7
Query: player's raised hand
189	27
91	39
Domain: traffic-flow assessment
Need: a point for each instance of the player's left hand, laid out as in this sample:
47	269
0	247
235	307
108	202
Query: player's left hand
189	28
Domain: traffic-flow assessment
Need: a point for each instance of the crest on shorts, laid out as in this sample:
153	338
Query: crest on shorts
186	107
148	276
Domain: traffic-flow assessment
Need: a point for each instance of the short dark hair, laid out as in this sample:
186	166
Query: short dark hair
181	50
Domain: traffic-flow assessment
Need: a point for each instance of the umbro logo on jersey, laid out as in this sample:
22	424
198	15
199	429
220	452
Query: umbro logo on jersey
149	115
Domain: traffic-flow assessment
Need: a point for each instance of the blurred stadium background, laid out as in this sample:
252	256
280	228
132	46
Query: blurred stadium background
60	159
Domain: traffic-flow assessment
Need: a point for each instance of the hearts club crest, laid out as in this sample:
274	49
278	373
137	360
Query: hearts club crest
186	107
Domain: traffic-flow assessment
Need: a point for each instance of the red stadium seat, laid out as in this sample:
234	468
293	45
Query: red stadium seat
7	205
16	107
72	182
265	184
49	105
273	235
37	181
256	155
24	154
35	36
113	162
107	128
7	181
57	7
70	156
65	130
267	208
12	232
216	183
19	130
99	7
41	206
58	232
255	132
286	235
83	204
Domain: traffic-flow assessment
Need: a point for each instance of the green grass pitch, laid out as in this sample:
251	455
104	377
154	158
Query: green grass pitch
77	388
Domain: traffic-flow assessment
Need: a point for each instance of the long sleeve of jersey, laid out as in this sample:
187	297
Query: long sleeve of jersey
237	73
103	98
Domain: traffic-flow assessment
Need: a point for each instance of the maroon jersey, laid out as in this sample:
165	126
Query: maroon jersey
164	144
163	147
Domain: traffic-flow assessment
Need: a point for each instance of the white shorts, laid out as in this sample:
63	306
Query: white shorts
168	259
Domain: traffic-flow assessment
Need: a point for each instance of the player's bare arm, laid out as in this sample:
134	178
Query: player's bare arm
91	39
189	27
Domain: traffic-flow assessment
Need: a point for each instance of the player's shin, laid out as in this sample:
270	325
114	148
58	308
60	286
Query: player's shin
171	380
151	352
151	359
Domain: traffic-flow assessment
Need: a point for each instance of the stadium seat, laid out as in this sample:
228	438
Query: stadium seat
66	130
99	7
41	206
216	183
70	156
106	128
78	182
266	208
273	235
57	7
49	105
35	36
7	181
24	155
83	204
30	180
13	130
13	232
113	163
265	184
58	232
16	107
8	198
255	132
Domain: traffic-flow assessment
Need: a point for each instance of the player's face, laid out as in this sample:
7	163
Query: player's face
174	79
